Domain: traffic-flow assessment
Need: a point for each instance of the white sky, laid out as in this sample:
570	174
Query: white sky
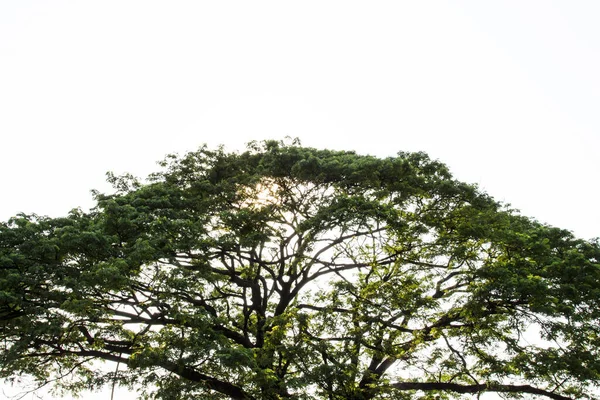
506	93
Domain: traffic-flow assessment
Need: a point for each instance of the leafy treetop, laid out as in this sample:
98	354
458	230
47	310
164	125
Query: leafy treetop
285	272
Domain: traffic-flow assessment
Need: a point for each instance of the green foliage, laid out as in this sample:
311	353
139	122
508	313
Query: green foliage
291	272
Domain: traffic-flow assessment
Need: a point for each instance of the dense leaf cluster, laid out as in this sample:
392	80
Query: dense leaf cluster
286	272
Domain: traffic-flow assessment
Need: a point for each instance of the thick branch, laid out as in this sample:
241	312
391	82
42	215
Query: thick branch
490	387
220	386
210	382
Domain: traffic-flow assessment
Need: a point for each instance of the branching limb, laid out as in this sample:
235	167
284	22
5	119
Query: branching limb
477	388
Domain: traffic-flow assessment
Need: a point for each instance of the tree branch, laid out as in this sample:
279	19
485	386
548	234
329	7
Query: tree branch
489	387
215	384
191	374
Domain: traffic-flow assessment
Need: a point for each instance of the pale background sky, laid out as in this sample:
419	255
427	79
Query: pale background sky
507	93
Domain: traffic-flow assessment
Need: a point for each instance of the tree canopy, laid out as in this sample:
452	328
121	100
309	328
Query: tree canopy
285	272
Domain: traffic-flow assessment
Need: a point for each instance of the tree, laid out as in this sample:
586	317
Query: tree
286	272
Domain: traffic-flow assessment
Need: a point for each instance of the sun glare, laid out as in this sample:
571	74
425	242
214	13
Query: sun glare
263	194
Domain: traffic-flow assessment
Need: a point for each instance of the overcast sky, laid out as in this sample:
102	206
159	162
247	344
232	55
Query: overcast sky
507	93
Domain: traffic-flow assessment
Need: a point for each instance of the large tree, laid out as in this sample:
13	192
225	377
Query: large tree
286	272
